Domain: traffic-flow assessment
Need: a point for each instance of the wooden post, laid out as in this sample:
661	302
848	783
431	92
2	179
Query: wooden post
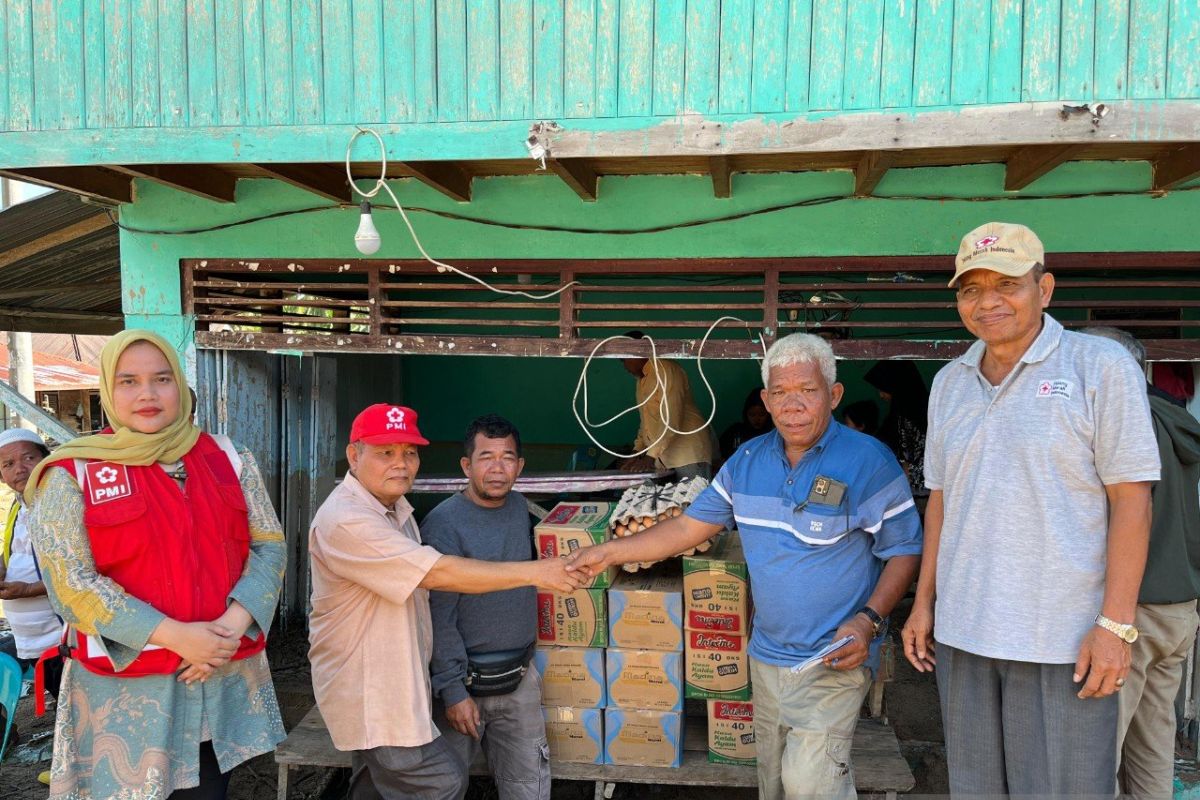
566	306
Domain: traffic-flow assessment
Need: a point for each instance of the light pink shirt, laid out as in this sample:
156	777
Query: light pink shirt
369	628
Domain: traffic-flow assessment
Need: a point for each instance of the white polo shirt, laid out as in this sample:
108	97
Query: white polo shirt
1022	467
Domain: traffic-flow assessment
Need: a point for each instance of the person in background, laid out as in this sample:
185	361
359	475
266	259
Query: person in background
756	421
34	625
863	417
903	429
1166	612
689	455
1040	459
160	549
370	629
483	643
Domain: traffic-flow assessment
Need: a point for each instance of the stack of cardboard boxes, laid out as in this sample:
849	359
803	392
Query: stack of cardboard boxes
716	590
643	722
572	632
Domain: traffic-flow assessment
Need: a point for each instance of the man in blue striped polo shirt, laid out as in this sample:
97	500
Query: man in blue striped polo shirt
832	542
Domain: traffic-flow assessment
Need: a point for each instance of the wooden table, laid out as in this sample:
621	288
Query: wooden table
878	766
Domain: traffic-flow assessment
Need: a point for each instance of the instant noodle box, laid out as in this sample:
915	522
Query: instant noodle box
731	732
638	738
572	676
646	611
716	666
575	734
578	619
571	526
716	588
649	679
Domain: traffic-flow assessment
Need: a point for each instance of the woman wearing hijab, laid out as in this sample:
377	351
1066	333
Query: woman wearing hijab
901	386
160	550
756	421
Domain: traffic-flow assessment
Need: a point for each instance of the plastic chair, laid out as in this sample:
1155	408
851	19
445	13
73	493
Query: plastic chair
583	458
11	679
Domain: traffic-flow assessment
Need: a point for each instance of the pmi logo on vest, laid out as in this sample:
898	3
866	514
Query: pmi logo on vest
107	481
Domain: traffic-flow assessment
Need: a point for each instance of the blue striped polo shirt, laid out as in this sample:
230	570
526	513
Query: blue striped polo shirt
812	566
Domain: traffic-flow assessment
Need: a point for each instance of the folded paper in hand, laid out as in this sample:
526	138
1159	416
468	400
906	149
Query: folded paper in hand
809	663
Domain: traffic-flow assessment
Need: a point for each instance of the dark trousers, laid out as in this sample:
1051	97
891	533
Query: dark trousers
214	784
52	670
429	772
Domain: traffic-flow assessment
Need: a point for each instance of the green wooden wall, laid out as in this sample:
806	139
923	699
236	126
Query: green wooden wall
121	64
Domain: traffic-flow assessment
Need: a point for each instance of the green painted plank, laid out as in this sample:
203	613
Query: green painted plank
172	65
1039	63
483	59
670	49
516	59
93	64
899	43
277	67
769	75
307	99
399	79
367	35
4	69
20	65
968	67
337	60
798	54
635	84
1148	48
934	52
425	79
254	57
829	67
548	58
703	32
1004	62
201	63
736	68
227	18
118	72
145	81
864	54
1112	49
1077	50
608	46
579	59
45	65
451	60
1183	50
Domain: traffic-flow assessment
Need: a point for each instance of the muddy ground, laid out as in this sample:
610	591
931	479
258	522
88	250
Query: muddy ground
911	706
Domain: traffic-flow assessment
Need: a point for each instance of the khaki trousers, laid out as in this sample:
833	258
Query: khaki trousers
1146	736
803	727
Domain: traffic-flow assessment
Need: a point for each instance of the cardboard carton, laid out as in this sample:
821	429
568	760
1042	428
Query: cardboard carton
649	679
575	734
646	611
572	676
716	666
731	732
570	526
637	738
578	619
716	588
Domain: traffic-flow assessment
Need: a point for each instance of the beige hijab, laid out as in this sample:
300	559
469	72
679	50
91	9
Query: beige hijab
123	445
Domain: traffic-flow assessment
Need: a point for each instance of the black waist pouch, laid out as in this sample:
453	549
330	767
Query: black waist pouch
494	674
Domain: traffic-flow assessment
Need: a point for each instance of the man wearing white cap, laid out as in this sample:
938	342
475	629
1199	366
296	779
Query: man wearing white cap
1039	460
26	606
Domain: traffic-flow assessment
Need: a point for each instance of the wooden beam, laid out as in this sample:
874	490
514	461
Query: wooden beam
201	180
97	183
579	175
60	289
447	177
722	176
320	179
870	170
1176	167
56	238
1030	163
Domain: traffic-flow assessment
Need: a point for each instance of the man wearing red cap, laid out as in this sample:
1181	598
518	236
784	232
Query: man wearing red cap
369	628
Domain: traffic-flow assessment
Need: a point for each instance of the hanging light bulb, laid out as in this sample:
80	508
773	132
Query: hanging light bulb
366	238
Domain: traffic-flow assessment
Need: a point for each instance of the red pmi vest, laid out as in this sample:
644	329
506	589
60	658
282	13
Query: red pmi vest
180	551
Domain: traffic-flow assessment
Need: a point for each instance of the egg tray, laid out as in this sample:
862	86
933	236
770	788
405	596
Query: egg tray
642	507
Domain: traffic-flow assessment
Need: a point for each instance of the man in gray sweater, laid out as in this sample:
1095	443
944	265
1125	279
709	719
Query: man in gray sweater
483	644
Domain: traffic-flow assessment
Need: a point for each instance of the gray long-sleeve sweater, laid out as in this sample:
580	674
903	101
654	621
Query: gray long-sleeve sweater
478	623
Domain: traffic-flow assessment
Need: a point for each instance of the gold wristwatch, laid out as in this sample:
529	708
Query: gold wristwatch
1127	633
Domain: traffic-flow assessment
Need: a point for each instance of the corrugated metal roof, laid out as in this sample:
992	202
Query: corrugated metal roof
53	373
